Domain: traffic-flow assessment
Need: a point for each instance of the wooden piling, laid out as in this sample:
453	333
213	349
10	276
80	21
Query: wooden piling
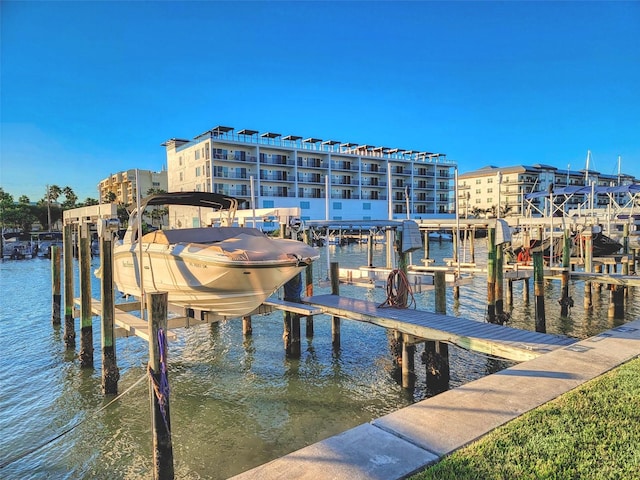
55	285
157	306
491	276
472	247
86	326
510	292
291	335
565	300
538	287
335	290
436	353
308	278
69	323
110	372
499	280
247	328
408	362
525	290
440	291
588	266
426	245
616	302
436	360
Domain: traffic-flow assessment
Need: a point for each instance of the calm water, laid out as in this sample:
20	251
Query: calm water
235	403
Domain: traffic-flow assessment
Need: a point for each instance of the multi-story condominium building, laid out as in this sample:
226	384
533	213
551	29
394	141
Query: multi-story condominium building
123	185
490	188
356	182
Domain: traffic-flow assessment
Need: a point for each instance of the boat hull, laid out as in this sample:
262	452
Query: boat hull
201	276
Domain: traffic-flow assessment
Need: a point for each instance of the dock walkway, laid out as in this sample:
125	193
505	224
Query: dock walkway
407	441
504	342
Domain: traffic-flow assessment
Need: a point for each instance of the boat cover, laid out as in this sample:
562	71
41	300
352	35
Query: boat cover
198	235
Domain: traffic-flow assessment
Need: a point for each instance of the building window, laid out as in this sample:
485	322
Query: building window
181	177
366	206
490	180
337	206
478	181
197	153
489	190
198	171
305	205
267	204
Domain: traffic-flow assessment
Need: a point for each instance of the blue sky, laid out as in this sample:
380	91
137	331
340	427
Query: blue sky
92	88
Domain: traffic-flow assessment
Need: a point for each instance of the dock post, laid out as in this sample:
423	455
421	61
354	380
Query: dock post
491	275
370	250
86	326
157	306
291	335
616	302
538	286
436	360
55	285
440	290
499	281
510	292
335	290
408	362
525	290
426	245
110	372
598	269
565	300
69	323
247	328
308	279
472	245
436	353
588	266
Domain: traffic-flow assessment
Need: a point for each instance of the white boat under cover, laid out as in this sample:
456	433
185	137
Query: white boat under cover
227	270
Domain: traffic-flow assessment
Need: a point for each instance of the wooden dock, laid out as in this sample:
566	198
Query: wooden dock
504	342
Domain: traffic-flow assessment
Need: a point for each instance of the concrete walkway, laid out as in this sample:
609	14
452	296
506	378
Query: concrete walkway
406	441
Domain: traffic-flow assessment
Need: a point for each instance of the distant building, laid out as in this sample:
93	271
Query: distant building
123	185
364	182
481	192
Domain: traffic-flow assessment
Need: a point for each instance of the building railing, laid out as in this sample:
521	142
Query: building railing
316	145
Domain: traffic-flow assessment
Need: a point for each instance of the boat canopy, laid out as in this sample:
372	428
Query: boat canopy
194	199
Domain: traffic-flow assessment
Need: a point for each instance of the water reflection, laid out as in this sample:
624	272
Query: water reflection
236	401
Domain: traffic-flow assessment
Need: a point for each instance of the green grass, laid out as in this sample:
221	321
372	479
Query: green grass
592	432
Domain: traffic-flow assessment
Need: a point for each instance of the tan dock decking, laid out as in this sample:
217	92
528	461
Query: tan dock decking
497	340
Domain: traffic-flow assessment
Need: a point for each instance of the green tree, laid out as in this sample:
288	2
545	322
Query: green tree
158	213
89	201
70	198
24	199
123	215
53	192
110	197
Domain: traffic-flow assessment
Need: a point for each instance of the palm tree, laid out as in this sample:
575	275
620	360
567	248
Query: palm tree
70	198
158	213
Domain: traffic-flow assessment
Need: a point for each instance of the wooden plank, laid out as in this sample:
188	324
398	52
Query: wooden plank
294	307
498	340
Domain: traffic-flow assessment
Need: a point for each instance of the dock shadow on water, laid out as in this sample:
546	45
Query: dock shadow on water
236	402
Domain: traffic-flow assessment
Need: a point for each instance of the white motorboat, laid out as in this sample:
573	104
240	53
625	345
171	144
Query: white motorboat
224	269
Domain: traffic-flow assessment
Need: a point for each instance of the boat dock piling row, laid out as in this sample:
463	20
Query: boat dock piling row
407	326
